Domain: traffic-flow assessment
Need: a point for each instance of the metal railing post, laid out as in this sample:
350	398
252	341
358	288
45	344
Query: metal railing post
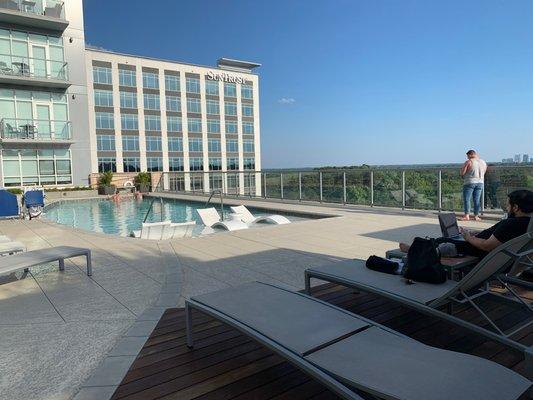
299	186
344	187
250	184
403	190
281	185
161	202
483	199
320	178
439	190
371	188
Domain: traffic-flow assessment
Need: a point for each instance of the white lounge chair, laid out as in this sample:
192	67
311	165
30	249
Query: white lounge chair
211	219
7	248
180	229
153	230
248	218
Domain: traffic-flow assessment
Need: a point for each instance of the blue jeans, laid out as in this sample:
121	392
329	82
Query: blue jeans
472	190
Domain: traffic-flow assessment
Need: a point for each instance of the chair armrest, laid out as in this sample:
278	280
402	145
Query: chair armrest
518	255
517	281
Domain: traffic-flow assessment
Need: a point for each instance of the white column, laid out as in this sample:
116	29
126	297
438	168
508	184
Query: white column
140	115
239	131
223	153
163	108
257	137
116	116
205	145
185	128
92	116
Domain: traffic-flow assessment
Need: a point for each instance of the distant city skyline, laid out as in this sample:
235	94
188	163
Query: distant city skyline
408	82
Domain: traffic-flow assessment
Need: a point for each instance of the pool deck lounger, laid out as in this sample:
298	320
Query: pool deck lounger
211	219
165	230
347	352
248	218
32	258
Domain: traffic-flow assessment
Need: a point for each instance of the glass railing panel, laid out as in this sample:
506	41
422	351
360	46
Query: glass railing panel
421	189
291	186
502	180
388	188
332	187
311	186
273	185
33	67
358	187
452	190
232	183
48	8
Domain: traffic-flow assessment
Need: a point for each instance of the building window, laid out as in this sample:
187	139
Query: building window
194	125
150	80
193	85
232	145
215	164
151	101
175	144
196	164
213	145
175	164
249	163
248	146
128	100
105	120
173	103
172	82
233	163
195	145
103	98
247	128
231	127
105	142
247	91
153	143
193	105
152	123
230	90
247	110
132	164
107	164
102	75
230	108
173	124
215	181
127	78
45	167
154	164
211	87
129	122
213	126
130	143
213	107
233	182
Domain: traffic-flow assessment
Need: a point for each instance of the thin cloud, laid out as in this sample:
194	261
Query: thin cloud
286	100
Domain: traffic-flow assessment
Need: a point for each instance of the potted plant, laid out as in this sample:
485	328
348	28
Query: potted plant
104	183
142	181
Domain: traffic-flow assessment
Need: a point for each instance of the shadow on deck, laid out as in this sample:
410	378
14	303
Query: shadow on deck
227	365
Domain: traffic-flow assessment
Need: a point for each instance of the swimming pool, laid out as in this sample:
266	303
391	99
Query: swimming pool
104	216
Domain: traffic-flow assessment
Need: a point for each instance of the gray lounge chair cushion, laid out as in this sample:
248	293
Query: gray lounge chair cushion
402	368
356	271
277	314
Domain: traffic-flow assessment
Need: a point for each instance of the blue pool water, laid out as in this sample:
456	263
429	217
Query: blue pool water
104	216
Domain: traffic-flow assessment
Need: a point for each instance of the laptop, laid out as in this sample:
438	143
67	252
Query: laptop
449	227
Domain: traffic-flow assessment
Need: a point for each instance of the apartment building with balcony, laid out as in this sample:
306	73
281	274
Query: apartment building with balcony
44	127
155	115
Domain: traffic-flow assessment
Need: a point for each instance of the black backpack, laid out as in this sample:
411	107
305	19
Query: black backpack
423	262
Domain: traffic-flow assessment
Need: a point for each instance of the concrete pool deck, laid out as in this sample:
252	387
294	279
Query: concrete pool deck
65	331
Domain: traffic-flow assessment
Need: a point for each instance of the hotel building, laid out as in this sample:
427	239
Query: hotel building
68	112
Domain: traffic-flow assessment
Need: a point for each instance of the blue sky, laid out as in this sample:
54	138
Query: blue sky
346	82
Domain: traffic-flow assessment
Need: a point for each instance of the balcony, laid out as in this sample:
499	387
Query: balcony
33	72
13	130
46	14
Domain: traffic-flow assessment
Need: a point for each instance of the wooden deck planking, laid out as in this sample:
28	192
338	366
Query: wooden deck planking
227	365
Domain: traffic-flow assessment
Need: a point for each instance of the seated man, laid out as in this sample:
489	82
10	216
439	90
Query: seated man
519	213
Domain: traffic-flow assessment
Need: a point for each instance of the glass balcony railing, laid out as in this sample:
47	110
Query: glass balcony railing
35	129
425	189
11	65
47	8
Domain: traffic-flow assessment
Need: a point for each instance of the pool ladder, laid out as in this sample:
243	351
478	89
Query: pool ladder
218	191
150	209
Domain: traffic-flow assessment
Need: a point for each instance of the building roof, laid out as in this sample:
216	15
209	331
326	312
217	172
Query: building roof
222	63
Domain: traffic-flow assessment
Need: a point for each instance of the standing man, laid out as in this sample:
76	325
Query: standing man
473	172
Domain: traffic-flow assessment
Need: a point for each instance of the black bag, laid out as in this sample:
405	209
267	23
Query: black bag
423	262
379	264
